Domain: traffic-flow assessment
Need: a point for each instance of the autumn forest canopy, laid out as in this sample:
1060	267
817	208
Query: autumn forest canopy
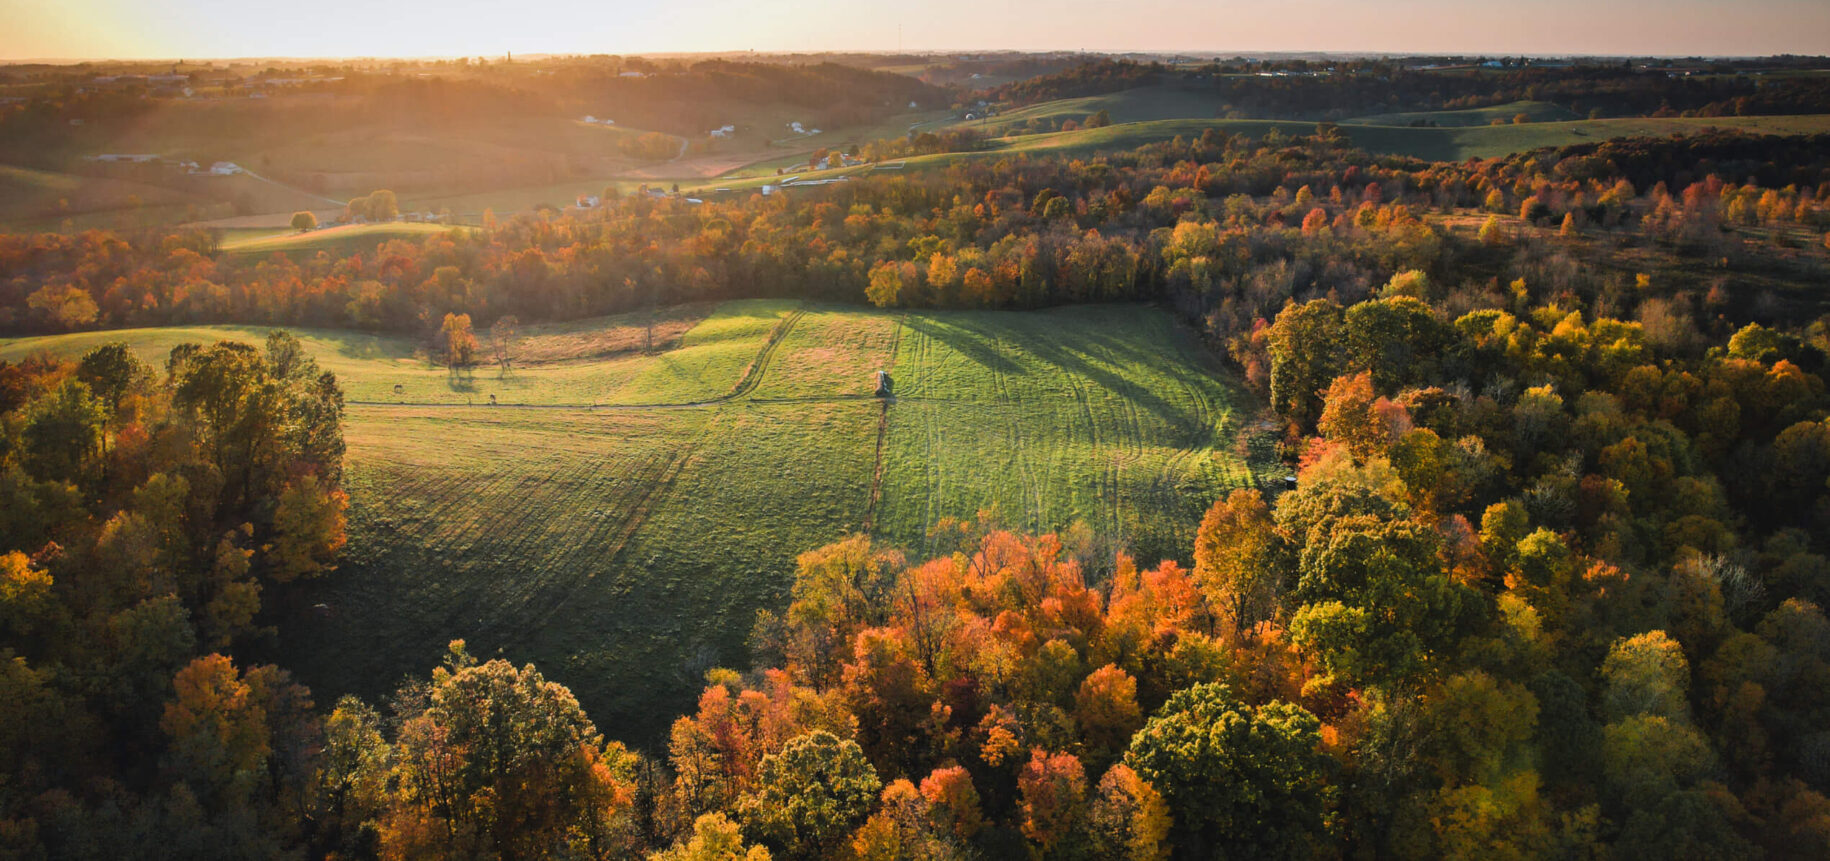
1238	483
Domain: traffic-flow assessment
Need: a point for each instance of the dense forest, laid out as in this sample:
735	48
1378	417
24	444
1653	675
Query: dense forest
1224	227
1334	89
1550	582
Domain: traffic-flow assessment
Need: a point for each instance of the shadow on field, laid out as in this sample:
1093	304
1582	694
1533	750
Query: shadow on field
1089	358
967	340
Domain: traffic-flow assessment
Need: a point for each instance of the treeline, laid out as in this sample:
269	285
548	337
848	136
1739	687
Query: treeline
1317	90
1223	227
690	98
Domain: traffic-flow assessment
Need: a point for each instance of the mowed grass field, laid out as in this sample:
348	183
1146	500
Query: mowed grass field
343	239
626	548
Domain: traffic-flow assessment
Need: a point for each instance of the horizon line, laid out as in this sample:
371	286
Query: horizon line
1205	53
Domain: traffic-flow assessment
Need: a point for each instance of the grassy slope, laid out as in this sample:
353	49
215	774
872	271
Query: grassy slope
342	240
706	364
1539	112
1109	415
40	200
1436	144
626	550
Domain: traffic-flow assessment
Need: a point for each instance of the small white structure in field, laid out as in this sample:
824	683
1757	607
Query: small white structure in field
723	131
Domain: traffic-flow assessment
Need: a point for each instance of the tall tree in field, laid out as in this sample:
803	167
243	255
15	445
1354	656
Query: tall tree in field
457	343
503	335
304	220
383	206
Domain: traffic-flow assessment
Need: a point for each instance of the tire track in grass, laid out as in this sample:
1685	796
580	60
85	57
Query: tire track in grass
760	365
876	490
650	496
883	429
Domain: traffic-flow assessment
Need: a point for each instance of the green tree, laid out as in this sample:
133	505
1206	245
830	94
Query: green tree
112	371
1646	675
63	434
714	838
504	762
1396	339
1241	781
1375	603
810	796
1306	349
304	220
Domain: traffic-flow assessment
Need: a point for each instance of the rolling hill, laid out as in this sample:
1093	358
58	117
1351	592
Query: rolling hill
622	528
1443	143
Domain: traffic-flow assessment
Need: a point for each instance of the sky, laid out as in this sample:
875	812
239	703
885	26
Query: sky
206	29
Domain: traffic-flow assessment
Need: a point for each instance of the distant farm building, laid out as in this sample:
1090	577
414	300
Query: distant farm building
883	384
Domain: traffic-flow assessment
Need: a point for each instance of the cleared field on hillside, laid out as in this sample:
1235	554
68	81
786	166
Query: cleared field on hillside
705	363
343	240
1444	143
626	549
1117	420
1537	112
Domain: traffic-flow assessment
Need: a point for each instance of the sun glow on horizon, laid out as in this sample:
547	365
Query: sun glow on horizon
76	29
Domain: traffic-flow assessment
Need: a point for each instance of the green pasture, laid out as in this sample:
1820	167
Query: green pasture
626	548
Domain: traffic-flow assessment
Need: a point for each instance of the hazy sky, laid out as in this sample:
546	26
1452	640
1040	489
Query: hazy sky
300	28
